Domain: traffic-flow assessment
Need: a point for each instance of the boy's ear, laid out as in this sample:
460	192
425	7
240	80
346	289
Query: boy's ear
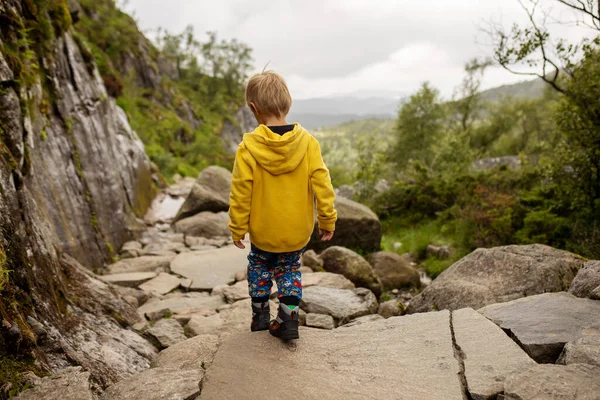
253	108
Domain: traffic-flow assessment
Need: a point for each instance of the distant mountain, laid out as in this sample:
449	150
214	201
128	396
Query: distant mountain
329	111
523	90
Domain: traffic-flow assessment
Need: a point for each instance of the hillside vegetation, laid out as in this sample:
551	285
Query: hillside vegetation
478	173
177	93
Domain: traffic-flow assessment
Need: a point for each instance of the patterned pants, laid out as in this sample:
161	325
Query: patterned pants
286	268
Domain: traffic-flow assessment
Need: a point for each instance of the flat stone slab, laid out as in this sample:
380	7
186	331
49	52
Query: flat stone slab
128	279
157	384
343	305
70	384
210	268
327	279
195	353
182	302
489	355
141	264
162	284
404	358
585	350
544	323
545	381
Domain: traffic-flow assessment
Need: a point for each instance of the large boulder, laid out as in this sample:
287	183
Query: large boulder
394	271
399	358
499	274
209	193
357	227
340	260
544	323
587	280
570	382
342	305
205	224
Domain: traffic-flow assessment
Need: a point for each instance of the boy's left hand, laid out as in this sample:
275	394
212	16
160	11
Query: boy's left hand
239	244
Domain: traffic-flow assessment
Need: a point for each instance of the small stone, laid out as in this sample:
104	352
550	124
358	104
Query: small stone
302	317
306	270
157	314
141	264
391	308
132	301
167	332
185	283
200	325
184	317
219	290
321	321
585	350
236	292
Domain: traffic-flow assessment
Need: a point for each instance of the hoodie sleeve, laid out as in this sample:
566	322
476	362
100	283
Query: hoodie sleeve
240	198
321	184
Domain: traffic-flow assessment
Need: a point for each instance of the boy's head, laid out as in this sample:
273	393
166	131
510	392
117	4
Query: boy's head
267	95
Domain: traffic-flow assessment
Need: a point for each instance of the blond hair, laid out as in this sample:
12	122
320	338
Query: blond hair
269	94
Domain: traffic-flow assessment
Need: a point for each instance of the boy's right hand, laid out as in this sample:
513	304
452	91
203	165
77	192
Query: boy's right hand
325	235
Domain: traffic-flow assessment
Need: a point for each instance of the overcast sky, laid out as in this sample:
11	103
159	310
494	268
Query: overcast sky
331	47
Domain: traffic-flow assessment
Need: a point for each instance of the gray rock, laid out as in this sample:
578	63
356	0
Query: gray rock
357	228
587	279
488	164
141	264
326	279
585	350
488	354
181	302
241	275
195	353
499	274
167	332
205	224
162	247
544	323
391	308
162	284
343	305
72	383
217	179
394	271
312	260
211	268
570	382
319	321
237	292
340	260
185	316
201	199
128	279
415	352
157	384
305	270
132	245
441	252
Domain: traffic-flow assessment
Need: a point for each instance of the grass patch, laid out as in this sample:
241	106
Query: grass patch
416	237
3	271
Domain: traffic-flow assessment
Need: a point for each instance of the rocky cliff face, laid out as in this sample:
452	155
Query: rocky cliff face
73	178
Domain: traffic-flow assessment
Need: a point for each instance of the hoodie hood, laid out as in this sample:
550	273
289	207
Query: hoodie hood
277	154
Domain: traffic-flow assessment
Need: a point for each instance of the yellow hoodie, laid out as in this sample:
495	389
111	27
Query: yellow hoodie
276	179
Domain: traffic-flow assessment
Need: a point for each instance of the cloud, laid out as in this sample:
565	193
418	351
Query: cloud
324	47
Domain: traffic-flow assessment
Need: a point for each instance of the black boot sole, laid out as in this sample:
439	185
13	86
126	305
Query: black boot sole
288	330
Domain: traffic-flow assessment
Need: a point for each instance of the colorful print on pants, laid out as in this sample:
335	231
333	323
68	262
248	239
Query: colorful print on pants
286	268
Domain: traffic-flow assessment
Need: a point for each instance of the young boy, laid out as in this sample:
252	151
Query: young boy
278	173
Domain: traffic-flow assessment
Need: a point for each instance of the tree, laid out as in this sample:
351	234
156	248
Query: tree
468	105
420	124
